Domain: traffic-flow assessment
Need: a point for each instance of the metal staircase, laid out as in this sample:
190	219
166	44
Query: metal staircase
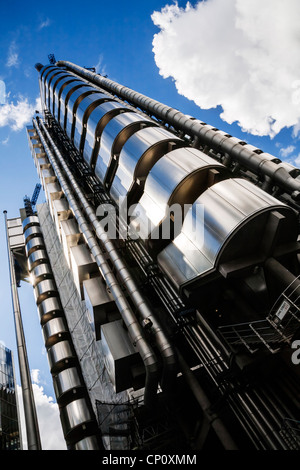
276	329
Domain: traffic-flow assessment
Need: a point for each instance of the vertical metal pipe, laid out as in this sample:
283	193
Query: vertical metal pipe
32	428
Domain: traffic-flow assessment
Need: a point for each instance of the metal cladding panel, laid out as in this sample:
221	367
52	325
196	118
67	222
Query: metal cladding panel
70	236
61	211
137	157
66	380
49	308
40	273
52	93
114	136
45	289
48	81
83	111
119	354
58	92
82	264
36	258
70	88
36	243
99	303
30	221
44	69
88	443
96	122
55	326
74	414
52	86
179	177
73	103
225	223
60	352
43	76
31	232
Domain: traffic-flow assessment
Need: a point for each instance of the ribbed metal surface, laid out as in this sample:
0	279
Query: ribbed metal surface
36	243
31	232
49	308
66	380
30	221
59	356
36	258
96	122
75	414
45	289
114	136
54	327
40	273
89	443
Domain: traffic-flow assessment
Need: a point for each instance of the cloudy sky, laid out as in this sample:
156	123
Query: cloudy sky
234	64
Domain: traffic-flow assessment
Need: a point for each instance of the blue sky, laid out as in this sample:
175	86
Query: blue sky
239	64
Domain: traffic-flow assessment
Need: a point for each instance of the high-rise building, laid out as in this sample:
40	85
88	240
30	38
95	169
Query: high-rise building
165	271
10	438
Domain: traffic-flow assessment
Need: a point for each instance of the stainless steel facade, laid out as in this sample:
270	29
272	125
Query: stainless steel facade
153	300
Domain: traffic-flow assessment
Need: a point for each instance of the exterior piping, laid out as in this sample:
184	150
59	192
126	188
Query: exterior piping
207	135
167	352
135	331
57	339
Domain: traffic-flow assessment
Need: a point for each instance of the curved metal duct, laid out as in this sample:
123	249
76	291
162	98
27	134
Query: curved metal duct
60	356
259	162
114	136
53	87
138	155
235	217
173	183
40	273
49	308
58	92
96	122
76	419
85	108
86	444
67	381
36	258
54	330
165	348
31	232
30	222
36	243
64	100
45	289
73	103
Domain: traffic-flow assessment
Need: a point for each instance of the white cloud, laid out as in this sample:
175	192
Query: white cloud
240	54
284	152
5	141
12	56
16	116
50	429
100	67
2	92
44	24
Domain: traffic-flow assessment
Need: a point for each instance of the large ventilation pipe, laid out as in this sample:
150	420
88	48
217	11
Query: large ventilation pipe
134	329
79	424
253	158
167	352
